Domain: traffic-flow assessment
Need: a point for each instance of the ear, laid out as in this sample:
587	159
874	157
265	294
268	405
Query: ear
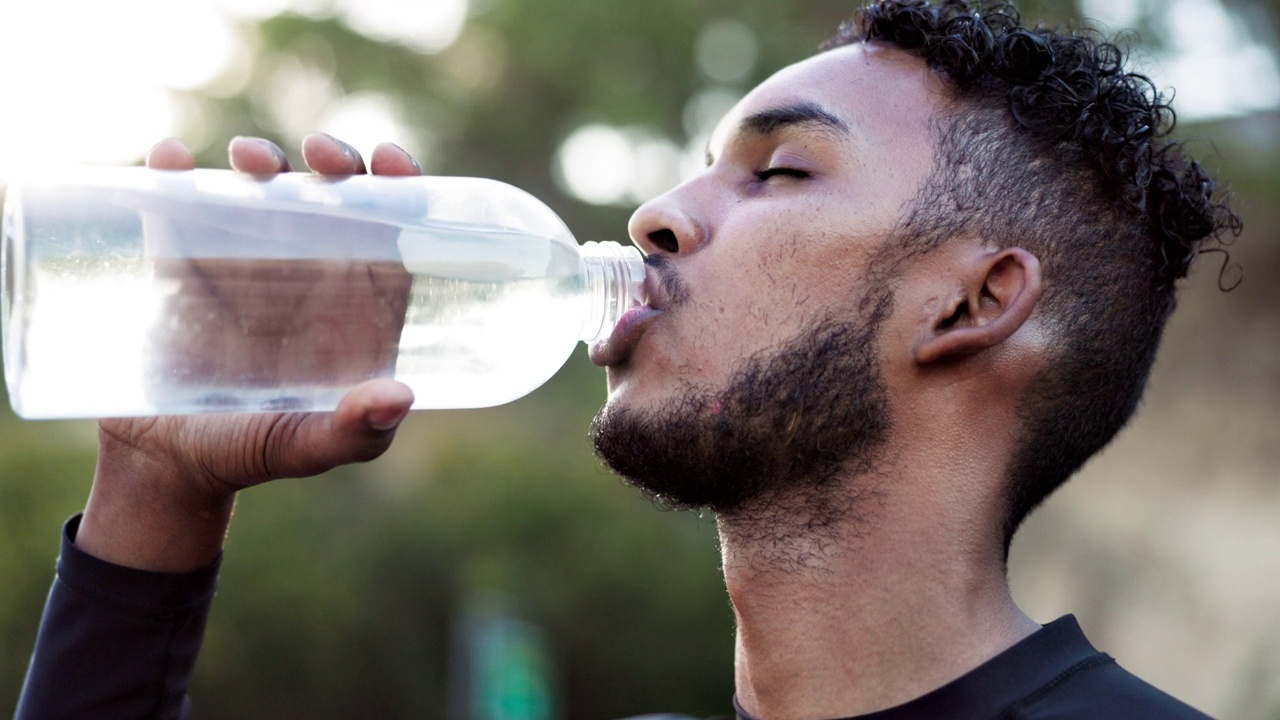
998	292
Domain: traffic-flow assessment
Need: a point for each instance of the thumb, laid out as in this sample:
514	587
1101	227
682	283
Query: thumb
360	429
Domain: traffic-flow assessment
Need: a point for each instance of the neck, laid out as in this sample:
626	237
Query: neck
868	607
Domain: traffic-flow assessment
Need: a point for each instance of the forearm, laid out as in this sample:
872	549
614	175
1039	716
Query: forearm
115	642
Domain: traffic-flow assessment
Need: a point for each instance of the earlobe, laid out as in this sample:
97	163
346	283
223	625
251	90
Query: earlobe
997	297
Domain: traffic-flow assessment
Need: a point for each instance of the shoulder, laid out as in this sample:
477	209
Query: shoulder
1099	689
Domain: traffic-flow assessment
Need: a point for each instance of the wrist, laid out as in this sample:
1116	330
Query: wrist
143	512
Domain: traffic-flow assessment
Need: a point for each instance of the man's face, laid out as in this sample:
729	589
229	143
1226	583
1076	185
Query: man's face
763	277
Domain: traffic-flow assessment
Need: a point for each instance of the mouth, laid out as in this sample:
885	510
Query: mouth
618	346
626	333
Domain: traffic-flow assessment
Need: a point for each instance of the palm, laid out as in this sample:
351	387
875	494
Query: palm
163	489
224	453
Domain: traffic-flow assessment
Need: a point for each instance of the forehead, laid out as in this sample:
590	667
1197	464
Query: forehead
884	96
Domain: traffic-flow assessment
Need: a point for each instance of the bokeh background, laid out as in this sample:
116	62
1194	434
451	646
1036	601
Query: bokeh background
487	566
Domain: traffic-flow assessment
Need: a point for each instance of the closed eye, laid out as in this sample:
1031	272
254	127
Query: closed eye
767	173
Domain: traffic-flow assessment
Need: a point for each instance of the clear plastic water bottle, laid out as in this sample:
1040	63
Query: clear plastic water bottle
129	291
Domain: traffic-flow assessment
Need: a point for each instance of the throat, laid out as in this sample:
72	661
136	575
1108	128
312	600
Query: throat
841	618
795	531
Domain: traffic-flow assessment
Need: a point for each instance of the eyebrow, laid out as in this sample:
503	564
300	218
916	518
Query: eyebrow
768	122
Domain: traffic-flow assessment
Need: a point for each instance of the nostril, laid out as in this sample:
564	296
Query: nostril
665	240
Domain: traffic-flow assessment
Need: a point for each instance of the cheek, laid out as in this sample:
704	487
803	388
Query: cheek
743	313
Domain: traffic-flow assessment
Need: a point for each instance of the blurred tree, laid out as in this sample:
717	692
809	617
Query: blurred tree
339	593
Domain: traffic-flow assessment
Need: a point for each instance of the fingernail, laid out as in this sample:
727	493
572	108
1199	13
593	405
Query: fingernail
263	143
417	166
346	149
386	419
275	150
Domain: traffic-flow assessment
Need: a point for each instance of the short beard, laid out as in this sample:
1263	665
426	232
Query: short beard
765	453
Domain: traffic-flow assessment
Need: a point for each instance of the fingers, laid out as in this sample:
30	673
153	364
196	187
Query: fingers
257	156
170	154
389	159
328	155
323	153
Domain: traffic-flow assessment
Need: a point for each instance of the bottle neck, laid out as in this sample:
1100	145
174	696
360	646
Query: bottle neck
614	284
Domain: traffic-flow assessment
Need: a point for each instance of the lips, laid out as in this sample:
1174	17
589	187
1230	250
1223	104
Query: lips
626	333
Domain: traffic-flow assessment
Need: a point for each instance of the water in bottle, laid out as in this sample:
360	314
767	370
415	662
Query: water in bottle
142	292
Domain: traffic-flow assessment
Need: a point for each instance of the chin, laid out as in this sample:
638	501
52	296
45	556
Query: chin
645	391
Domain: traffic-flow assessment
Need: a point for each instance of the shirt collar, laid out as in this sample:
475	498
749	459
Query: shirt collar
987	690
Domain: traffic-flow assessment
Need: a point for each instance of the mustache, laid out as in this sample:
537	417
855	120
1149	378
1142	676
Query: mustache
672	290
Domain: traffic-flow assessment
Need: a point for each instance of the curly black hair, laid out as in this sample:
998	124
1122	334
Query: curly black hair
1049	143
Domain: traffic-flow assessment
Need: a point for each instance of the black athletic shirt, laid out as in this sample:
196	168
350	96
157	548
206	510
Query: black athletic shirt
1053	673
116	644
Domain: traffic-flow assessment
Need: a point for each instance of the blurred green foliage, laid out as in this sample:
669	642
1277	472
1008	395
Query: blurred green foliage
338	593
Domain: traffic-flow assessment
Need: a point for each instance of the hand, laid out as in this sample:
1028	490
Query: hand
164	487
279	326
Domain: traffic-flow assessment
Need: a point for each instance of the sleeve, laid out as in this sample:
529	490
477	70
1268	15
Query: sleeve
115	642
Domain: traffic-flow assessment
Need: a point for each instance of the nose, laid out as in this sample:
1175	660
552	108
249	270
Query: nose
665	225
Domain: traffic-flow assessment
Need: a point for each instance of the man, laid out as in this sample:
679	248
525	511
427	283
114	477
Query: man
920	282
